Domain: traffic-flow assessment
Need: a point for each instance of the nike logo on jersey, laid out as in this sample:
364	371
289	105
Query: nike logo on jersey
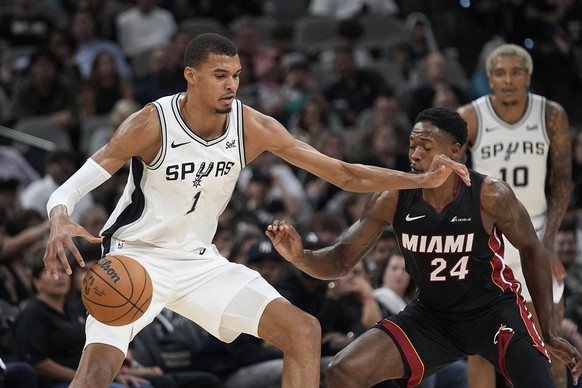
176	145
409	218
487	129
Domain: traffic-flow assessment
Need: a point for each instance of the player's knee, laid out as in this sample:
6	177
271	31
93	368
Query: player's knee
338	372
307	332
96	377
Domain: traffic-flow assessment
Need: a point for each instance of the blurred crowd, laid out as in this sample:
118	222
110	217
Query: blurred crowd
346	76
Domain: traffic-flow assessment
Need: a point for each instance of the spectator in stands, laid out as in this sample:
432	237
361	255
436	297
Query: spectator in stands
263	258
379	147
51	336
350	311
89	45
44	91
298	88
104	87
350	32
59	166
397	289
164	76
419	42
312	121
63	46
22	237
386	111
244	239
376	260
355	90
14	166
434	75
246	39
135	31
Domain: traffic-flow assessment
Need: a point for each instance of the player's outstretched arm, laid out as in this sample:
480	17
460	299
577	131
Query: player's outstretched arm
334	261
263	133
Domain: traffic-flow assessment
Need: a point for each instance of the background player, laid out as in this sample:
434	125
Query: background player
515	135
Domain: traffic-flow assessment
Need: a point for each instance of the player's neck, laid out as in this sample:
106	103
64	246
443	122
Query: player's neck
207	125
443	195
510	112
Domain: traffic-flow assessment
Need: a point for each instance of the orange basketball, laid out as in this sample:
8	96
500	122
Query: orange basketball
117	290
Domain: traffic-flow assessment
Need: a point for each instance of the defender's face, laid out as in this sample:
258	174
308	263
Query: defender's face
216	81
509	79
425	142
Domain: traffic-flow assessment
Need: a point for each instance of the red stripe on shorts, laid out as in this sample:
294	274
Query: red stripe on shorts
414	361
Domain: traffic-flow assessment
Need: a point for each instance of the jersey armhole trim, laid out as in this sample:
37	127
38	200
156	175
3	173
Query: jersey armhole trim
164	139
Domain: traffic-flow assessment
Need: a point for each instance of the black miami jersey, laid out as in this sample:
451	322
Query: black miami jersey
456	264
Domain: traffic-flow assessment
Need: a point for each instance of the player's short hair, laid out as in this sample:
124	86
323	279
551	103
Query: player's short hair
205	44
446	120
509	50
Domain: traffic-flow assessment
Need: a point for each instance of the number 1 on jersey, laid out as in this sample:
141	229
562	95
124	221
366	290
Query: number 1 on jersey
196	198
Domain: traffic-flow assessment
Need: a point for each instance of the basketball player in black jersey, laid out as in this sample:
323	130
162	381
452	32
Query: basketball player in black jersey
468	301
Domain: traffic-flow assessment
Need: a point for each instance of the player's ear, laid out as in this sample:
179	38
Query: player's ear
190	74
456	151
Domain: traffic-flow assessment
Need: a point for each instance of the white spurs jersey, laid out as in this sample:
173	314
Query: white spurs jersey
517	153
174	202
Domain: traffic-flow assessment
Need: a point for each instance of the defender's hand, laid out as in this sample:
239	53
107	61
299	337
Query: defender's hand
440	169
285	239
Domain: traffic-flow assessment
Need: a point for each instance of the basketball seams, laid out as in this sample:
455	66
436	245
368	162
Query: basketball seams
133	305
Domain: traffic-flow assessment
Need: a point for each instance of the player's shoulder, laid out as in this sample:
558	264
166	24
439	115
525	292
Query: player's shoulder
468	113
495	190
143	124
554	107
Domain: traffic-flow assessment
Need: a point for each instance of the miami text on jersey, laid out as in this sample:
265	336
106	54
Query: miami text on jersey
438	244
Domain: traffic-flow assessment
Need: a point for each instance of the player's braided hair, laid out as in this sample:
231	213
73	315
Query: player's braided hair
446	120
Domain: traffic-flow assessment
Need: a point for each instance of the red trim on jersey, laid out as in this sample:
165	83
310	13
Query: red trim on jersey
412	357
503	338
531	328
501	275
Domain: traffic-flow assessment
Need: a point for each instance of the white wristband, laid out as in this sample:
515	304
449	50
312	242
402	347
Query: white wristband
87	178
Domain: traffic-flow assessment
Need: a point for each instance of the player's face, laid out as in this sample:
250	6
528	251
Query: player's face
509	79
217	80
425	142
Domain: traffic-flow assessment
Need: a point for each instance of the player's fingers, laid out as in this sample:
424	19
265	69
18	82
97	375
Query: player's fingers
62	256
75	252
49	261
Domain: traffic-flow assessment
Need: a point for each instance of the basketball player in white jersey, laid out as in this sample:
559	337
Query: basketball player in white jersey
523	139
186	152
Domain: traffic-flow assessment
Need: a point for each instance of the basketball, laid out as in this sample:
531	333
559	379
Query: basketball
117	290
